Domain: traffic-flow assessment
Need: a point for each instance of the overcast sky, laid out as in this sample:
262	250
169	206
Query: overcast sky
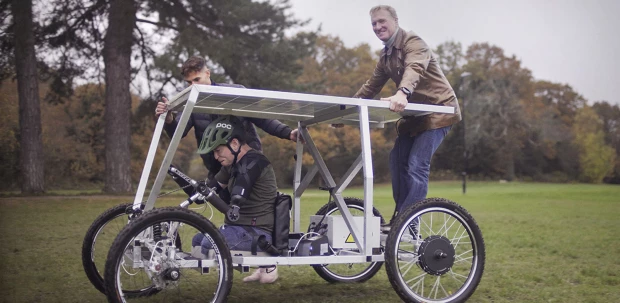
567	41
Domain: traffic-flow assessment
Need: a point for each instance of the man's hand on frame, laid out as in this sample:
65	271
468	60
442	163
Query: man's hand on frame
162	107
397	102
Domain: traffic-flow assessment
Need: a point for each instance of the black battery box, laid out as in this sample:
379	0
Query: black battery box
313	246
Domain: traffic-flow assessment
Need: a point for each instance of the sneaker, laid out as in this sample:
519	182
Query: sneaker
263	275
255	276
197	253
269	275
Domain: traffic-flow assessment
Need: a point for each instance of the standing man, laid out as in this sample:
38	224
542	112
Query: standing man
410	63
195	71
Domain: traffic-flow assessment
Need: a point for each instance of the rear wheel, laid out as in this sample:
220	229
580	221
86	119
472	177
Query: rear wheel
434	253
352	272
147	252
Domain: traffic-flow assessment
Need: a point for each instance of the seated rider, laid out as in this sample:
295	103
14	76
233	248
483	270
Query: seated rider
251	181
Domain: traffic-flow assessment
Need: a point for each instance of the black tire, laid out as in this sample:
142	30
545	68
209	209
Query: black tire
347	273
447	247
98	240
156	259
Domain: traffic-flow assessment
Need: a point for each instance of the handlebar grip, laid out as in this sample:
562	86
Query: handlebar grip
214	199
231	211
218	203
183	180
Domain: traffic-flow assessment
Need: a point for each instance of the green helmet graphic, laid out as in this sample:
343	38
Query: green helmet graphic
219	132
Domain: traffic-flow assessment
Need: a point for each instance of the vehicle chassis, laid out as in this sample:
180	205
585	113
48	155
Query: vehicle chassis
306	110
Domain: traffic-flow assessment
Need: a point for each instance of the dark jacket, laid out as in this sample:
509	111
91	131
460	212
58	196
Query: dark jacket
252	178
410	63
200	121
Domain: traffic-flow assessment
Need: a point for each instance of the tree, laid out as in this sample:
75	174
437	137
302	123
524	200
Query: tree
31	147
451	60
9	138
335	70
117	57
6	41
595	156
242	39
499	87
610	116
552	112
449	155
563	100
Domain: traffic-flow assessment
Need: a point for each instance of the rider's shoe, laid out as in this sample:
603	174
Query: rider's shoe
269	275
197	253
263	275
255	276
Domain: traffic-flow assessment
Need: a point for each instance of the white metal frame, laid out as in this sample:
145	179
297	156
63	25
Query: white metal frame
328	109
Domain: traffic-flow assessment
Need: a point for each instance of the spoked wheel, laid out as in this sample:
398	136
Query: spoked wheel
434	252
147	252
348	273
98	241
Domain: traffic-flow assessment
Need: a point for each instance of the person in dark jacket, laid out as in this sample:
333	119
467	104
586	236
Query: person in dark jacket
251	181
195	71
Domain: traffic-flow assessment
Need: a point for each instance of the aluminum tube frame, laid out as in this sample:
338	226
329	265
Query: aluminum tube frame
368	174
329	116
299	97
297	191
318	160
329	180
364	161
148	164
304	260
172	148
189	99
300	187
349	175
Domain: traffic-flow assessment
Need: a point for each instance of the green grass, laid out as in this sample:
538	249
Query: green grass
544	243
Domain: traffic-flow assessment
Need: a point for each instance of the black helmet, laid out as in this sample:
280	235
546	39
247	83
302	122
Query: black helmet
220	132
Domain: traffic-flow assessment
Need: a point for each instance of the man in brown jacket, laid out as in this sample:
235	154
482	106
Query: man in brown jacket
410	63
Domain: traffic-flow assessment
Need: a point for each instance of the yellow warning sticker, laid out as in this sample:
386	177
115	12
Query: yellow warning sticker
349	239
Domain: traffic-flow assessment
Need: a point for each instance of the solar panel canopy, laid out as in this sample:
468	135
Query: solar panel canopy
297	107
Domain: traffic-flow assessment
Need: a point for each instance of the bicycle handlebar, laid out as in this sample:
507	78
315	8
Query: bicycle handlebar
201	189
231	211
183	180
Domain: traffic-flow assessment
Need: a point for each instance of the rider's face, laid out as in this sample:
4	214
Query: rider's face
201	77
223	154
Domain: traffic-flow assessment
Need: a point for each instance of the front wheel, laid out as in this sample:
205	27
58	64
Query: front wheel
434	253
347	273
147	252
97	243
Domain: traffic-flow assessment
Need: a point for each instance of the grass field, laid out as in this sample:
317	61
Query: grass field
544	243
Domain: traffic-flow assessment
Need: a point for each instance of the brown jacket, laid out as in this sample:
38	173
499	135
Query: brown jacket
410	63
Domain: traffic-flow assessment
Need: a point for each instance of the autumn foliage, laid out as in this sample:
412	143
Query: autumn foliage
516	127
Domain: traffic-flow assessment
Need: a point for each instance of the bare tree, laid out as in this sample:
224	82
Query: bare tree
31	149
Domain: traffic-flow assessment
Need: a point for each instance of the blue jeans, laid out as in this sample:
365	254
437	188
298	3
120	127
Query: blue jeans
410	165
235	236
